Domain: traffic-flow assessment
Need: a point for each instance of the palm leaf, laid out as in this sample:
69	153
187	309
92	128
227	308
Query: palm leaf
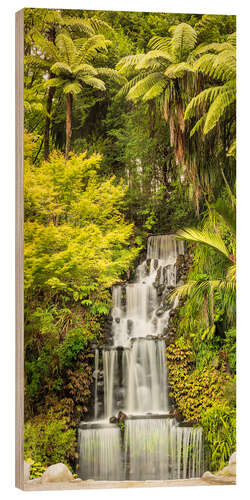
205	237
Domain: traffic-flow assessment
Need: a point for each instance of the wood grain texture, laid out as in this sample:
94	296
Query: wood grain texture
19	75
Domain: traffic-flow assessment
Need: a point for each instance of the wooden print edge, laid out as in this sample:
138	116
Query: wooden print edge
19	250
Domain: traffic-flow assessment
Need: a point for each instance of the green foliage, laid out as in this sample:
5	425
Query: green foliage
219	426
48	441
36	469
193	389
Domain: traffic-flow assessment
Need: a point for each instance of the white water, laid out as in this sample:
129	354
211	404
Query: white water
135	381
158	449
100	453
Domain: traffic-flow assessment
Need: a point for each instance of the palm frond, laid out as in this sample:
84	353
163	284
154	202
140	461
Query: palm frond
205	237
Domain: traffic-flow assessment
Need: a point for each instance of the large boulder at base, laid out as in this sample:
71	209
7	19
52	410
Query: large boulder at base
58	473
227	475
26	471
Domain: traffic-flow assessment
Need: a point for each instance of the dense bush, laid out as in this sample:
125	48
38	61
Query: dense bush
48	440
219	426
193	390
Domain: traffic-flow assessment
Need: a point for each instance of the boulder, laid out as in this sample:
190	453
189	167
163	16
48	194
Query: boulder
226	476
58	473
26	471
232	459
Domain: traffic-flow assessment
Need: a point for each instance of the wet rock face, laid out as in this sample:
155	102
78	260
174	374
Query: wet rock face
129	326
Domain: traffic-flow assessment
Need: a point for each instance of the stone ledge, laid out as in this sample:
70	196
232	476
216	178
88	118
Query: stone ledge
78	484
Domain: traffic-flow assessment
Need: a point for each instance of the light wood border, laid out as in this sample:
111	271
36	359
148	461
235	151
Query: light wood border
19	245
19	314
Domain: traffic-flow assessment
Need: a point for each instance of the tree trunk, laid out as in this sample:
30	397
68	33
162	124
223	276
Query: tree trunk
51	38
69	102
47	121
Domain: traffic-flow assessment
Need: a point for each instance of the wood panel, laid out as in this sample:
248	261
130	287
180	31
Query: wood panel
19	318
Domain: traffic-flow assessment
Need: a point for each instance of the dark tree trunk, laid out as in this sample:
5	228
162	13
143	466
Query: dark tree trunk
51	38
47	121
69	103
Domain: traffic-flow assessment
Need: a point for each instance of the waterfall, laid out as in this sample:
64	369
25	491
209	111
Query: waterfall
135	380
100	453
158	449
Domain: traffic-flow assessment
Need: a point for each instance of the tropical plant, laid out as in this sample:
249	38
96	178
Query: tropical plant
165	71
74	70
217	62
41	28
213	235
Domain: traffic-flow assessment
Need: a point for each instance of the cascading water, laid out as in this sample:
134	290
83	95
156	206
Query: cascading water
135	381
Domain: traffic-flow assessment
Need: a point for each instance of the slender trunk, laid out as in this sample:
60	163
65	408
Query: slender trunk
69	103
206	309
47	121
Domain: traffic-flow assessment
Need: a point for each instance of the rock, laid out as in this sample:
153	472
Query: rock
129	326
121	416
232	459
117	320
113	420
26	471
226	476
57	473
159	312
229	470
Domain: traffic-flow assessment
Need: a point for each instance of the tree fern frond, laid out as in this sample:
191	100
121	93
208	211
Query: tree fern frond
61	68
160	43
155	91
83	69
144	86
232	150
177	70
112	74
53	82
73	88
66	46
128	63
199	125
126	88
96	83
217	109
100	27
203	97
36	62
183	40
154	57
